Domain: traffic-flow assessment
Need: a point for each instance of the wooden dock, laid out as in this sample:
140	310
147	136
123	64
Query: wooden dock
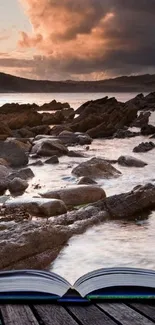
94	314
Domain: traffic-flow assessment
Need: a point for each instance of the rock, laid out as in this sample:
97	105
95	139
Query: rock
41	129
5	131
144	147
95	168
122	134
128	205
52	160
68	114
3	186
24	133
77	195
3	162
70	138
24	144
4	172
142	120
49	147
148	130
57	129
75	154
38	206
102	131
37	163
53	119
13	154
86	180
24	174
103	117
130	162
19	116
53	106
17	186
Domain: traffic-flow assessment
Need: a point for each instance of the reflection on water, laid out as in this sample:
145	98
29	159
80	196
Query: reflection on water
108	245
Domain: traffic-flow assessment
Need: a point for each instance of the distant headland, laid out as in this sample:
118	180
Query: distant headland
140	83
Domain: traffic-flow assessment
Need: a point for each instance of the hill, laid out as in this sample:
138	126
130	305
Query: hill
141	83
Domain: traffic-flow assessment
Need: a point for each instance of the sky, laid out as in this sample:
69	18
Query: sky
77	39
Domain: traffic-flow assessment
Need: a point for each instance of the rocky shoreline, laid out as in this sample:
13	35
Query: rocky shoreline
34	230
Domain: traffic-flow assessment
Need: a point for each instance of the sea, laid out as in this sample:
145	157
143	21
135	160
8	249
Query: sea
113	243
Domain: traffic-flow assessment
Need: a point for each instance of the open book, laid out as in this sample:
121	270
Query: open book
109	283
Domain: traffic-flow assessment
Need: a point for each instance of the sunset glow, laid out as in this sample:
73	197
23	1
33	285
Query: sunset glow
68	39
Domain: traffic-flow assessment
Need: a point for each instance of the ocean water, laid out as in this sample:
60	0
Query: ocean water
115	243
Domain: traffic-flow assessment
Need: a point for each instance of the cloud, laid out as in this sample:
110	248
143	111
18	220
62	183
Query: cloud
75	38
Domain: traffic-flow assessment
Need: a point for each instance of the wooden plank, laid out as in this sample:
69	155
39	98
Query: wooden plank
146	310
90	315
17	315
53	315
124	314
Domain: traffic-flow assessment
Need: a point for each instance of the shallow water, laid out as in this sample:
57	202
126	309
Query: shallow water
112	243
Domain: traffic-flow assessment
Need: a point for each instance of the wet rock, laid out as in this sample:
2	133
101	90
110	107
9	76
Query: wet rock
75	154
3	162
122	134
103	117
142	120
24	174
17	186
148	130
86	180
128	205
38	206
144	147
131	162
3	186
52	160
77	195
70	138
49	147
96	167
37	163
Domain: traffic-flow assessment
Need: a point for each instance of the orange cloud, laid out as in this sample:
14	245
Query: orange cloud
89	38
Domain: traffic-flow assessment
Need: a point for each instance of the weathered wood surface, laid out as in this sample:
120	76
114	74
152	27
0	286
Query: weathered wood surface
99	314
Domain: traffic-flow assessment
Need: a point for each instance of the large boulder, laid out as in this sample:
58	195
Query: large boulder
144	147
49	147
77	195
13	153
131	162
38	206
96	168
